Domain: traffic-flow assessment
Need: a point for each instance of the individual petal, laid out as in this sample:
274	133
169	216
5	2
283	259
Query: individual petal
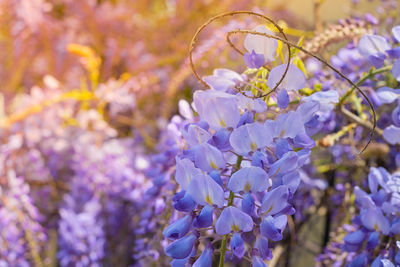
223	79
181	248
257	105
286	164
257	262
196	135
218	109
208	157
282	146
179	228
371	44
373	240
363	199
262	44
205	259
308	109
250	137
302	140
182	201
392	134
272	228
205	218
248	204
205	191
233	219
396	32
326	100
396	116
247	179
247	117
261	245
228	74
275	200
360	261
221	139
217	177
354	241
237	245
388	95
292	180
185	110
253	60
185	171
283	99
378	60
288	125
396	70
373	219
294	78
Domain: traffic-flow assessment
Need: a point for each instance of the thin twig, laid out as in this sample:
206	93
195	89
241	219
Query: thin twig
324	62
233	13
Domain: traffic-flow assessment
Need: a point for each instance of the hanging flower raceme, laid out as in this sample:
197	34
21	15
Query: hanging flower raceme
238	171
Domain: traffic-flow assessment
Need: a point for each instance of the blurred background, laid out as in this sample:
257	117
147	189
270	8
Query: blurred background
84	44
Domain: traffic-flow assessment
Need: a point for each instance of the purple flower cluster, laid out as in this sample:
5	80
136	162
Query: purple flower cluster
240	167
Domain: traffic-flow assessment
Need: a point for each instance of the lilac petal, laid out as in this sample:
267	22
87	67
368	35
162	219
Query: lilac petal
294	79
252	179
205	218
218	109
261	245
373	181
396	116
185	171
292	180
288	125
392	134
362	198
228	74
396	32
205	191
233	219
356	237
223	79
396	70
394	52
179	228
308	109
237	246
261	44
272	228
257	262
373	240
181	248
378	60
275	200
248	204
388	95
282	146
372	44
205	259
196	135
283	99
183	202
373	218
257	105
250	137
286	164
185	110
253	60
208	157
